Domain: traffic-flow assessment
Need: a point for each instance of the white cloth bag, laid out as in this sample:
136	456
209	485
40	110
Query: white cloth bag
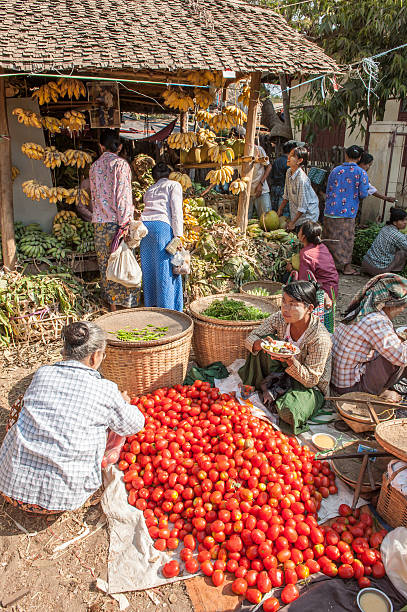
123	268
394	556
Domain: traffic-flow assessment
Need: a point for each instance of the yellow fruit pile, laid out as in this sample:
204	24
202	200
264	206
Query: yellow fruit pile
220	153
33	150
182	141
205	136
77	196
201	77
203	98
57	194
218	177
238	185
34	190
77	158
204	116
46	93
236	115
27	117
182	179
178	100
52	124
53	158
72	88
74	121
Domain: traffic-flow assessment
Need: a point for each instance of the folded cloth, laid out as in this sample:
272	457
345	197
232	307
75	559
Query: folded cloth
208	374
273	387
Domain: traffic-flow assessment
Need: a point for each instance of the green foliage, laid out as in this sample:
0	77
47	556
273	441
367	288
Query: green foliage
349	31
234	310
364	239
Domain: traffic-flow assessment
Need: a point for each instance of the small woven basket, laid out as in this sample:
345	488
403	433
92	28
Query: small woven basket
142	367
271	286
392	436
392	505
357	415
218	340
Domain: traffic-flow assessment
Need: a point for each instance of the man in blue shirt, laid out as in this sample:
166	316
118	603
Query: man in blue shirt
347	185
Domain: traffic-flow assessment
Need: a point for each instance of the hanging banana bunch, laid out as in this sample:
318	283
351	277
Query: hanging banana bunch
33	150
245	95
201	77
57	194
182	141
74	121
205	136
27	117
77	158
203	98
53	158
14	173
204	116
182	179
218	177
221	121
178	100
239	185
52	124
236	115
221	153
34	190
77	196
46	93
71	87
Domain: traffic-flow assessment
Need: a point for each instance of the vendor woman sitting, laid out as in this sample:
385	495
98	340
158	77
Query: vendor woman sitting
367	354
50	460
308	373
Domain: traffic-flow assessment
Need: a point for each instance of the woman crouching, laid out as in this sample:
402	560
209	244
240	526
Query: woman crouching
307	374
50	460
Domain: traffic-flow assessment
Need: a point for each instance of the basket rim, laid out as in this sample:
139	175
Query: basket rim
261	282
385	443
193	308
359	419
147	343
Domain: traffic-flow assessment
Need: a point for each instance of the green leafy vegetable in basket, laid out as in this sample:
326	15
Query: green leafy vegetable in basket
146	334
234	310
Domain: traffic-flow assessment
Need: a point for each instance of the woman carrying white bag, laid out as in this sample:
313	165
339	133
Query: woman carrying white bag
122	266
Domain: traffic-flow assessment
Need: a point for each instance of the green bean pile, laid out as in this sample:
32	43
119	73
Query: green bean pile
234	310
146	334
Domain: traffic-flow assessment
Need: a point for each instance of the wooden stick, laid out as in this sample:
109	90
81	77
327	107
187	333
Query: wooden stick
360	401
6	186
247	170
356	495
373	413
357	455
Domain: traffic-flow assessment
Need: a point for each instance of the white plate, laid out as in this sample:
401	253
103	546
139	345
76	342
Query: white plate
264	346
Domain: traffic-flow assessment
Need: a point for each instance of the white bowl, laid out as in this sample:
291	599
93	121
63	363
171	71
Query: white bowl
373	590
322	448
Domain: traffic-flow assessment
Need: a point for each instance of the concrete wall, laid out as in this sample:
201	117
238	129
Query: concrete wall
25	209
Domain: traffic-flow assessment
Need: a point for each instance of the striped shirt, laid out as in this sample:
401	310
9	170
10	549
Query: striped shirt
383	250
357	343
301	196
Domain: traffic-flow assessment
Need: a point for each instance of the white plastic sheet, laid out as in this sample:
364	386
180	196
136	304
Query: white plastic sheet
394	556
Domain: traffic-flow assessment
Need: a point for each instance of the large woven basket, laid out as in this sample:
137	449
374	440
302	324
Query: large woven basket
217	340
357	416
392	505
392	436
142	367
348	470
274	288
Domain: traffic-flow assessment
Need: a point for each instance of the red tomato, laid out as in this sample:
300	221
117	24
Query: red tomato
191	565
289	593
302	571
218	577
313	566
345	571
239	586
332	552
358	568
271	605
378	570
368	557
263	582
207	568
364	582
253	595
276	576
171	569
189	542
345	510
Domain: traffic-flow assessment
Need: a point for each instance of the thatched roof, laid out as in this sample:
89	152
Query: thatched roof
130	35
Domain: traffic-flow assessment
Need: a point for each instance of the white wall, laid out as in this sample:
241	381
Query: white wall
25	209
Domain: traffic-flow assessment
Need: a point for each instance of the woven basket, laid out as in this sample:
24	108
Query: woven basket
142	367
271	286
392	505
348	470
392	436
357	416
217	340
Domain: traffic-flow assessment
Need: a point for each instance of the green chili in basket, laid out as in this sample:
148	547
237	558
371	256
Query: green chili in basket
146	334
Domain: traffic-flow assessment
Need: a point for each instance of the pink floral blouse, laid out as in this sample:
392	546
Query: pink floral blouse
110	184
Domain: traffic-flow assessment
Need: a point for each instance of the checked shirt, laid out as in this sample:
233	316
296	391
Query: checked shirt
383	250
52	456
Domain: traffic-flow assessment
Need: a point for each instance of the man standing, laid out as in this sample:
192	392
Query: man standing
347	185
260	191
277	175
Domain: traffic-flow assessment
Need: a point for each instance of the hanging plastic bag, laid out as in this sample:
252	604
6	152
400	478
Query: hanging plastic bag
113	448
136	232
394	557
181	262
123	268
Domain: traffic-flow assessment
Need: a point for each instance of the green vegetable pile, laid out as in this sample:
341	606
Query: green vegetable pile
234	310
146	334
259	291
364	239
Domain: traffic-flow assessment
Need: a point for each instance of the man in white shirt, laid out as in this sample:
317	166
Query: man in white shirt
260	191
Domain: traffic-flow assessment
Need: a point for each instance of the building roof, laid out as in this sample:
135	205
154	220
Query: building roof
130	35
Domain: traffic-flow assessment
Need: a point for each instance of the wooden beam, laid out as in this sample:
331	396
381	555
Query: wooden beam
6	187
247	170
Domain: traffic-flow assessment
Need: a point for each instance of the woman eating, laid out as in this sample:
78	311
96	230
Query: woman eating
367	354
304	203
50	459
388	252
316	262
308	372
163	217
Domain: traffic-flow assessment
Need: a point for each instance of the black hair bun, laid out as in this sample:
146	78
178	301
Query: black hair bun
76	334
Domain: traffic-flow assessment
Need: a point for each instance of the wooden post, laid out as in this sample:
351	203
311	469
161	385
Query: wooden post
247	169
6	186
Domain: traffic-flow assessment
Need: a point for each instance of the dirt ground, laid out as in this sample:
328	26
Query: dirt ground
66	580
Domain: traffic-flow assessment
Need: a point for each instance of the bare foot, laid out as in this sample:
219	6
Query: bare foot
391	396
349	271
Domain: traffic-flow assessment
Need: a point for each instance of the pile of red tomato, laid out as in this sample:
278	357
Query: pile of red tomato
241	497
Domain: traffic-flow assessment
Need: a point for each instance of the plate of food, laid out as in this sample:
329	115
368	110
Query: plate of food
402	332
280	347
